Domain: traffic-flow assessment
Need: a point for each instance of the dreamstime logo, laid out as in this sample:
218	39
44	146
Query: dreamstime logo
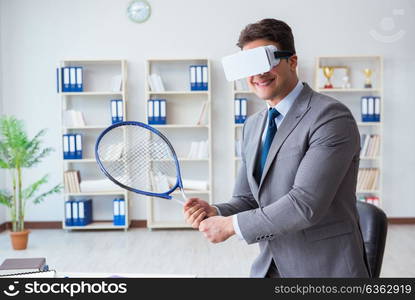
387	25
11	291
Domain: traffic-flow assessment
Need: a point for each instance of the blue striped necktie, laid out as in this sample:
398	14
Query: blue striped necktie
271	131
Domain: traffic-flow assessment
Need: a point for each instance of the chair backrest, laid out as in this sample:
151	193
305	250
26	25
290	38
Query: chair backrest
374	226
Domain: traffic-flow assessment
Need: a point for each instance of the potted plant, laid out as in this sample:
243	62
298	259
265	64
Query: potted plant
18	152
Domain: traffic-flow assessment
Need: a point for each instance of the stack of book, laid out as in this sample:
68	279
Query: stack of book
199	150
369	146
367	179
119	212
78	212
117	114
155	82
240	110
156	109
72	146
71	79
73	118
72	181
199	78
14	266
370	108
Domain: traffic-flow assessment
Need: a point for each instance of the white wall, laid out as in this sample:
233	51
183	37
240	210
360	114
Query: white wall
2	177
37	34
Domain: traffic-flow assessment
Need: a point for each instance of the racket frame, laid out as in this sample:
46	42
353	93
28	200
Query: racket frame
166	195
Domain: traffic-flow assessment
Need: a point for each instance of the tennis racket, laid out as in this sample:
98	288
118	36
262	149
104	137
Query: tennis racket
139	158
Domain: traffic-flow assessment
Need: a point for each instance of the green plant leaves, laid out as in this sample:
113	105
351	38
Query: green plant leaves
18	151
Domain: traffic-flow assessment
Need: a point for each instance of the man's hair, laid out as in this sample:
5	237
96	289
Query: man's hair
268	29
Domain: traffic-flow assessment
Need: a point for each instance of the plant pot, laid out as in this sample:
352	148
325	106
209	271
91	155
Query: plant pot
19	239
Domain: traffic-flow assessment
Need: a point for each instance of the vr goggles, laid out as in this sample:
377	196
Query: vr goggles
252	62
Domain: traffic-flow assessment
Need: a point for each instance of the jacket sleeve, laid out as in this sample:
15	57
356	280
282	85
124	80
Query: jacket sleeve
333	142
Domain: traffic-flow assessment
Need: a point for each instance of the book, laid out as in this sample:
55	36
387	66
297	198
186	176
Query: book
202	114
38	274
73	118
155	82
23	265
116	83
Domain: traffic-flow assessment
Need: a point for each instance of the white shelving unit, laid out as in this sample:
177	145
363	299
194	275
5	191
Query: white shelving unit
254	104
94	102
352	98
183	109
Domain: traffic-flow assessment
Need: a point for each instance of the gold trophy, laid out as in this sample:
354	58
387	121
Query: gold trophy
328	72
368	82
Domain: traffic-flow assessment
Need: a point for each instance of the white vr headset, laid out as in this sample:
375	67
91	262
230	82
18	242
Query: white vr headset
252	62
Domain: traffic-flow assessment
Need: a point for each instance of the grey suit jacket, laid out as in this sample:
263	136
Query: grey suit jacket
303	212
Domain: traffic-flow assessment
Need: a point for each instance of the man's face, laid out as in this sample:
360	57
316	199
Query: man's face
272	84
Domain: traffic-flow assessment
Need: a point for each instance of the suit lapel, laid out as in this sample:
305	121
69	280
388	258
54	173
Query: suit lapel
293	117
255	146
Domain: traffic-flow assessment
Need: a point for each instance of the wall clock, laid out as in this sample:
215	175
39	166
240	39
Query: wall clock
139	11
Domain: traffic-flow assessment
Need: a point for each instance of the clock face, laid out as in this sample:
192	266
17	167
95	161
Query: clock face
139	11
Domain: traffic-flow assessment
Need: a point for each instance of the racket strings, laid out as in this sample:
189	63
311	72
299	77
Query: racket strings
138	158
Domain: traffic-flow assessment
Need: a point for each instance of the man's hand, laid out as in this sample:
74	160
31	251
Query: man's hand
195	210
217	229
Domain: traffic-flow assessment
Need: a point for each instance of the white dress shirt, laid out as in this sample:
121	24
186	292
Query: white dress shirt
282	107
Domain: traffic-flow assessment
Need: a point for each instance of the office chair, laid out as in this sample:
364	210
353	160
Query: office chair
374	226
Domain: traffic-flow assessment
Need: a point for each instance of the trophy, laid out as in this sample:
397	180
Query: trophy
328	72
346	82
368	82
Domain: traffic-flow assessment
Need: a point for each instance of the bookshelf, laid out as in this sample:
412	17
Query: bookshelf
254	104
94	103
352	67
183	110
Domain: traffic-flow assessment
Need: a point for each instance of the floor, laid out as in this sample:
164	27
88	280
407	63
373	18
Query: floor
183	252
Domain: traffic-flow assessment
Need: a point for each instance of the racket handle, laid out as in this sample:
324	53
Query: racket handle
181	201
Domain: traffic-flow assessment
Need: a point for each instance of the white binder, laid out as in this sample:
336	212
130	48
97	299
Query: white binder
199	77
205	77
72	149
72	78
237	107
120	113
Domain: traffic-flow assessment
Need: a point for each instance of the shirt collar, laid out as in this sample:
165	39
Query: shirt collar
285	104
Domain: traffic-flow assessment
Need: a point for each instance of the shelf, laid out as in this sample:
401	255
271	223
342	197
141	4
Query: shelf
80	161
179	93
340	90
175	59
97	225
87	127
91	93
369	123
161	225
182	129
368	192
109	193
99	88
351	57
93	60
369	158
179	126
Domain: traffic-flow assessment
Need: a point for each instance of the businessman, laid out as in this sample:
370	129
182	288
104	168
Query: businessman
295	190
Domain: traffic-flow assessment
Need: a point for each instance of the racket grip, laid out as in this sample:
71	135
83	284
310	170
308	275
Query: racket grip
181	201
